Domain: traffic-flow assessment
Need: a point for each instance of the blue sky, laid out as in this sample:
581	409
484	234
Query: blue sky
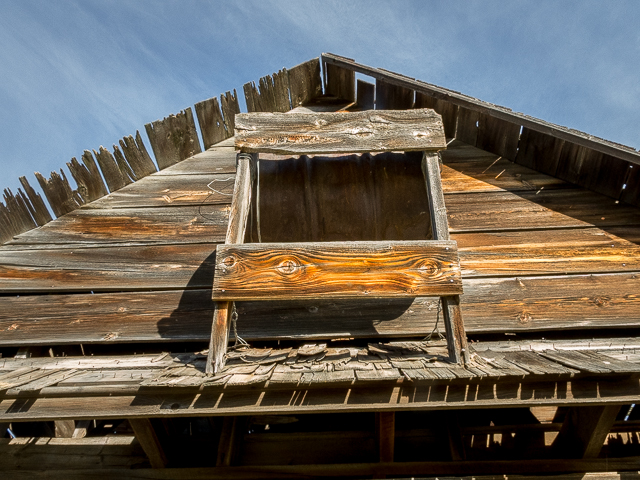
75	75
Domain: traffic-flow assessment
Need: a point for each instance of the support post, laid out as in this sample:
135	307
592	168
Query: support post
386	435
240	206
230	441
456	443
146	435
64	428
454	325
584	431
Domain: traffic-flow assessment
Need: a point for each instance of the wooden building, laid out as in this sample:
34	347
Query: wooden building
106	311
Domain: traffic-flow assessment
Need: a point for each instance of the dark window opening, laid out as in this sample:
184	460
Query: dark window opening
363	197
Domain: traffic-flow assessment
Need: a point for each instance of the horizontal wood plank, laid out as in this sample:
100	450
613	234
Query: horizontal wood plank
469	169
107	268
488	305
218	159
345	132
532	210
102	267
325	400
336	270
189	224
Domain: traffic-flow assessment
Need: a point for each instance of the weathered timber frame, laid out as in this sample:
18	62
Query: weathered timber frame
240	206
454	326
341	271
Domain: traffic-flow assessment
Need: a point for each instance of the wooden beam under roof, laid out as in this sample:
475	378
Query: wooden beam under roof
585	430
617	150
503	468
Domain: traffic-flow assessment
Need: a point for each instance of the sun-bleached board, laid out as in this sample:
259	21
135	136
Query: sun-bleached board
343	132
336	270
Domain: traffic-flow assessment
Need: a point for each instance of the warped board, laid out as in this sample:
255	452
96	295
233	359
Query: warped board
513	304
336	270
107	268
185	224
345	132
78	267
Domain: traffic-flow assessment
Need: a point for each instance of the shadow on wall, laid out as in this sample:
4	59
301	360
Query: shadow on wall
326	319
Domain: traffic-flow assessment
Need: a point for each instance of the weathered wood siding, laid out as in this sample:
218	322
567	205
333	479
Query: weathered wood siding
536	253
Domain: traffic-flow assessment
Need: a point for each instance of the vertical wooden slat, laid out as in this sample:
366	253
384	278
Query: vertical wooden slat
467	126
340	82
572	158
21	217
211	122
250	97
6	230
366	95
87	176
631	188
230	107
60	196
386	435
606	175
137	156
174	138
392	97
146	435
281	86
447	110
110	170
16	215
267	94
454	435
238	215
127	172
26	210
305	82
539	151
452	315
498	136
41	213
584	431
230	441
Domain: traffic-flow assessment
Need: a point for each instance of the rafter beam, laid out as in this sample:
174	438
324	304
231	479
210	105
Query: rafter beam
146	435
584	431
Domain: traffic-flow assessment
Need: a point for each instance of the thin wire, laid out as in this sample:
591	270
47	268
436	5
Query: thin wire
220	180
240	342
213	191
435	329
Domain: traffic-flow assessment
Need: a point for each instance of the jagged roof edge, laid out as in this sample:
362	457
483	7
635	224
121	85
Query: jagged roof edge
173	139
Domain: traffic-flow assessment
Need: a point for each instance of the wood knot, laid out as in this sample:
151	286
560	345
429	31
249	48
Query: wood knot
428	269
602	301
287	267
423	134
524	317
229	261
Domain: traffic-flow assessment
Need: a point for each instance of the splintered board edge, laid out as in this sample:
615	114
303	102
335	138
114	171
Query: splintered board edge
281	271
